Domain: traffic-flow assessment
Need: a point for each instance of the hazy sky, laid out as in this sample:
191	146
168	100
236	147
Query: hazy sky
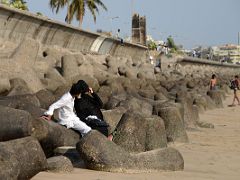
190	22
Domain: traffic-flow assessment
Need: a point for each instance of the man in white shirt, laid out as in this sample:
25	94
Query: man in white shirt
65	113
151	60
118	36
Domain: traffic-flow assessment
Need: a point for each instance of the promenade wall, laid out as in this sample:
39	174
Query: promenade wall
189	65
16	25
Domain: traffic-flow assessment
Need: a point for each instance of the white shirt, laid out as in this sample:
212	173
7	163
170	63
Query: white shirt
65	113
118	35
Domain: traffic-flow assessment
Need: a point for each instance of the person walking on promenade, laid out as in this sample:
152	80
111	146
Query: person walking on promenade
65	113
213	82
118	36
235	87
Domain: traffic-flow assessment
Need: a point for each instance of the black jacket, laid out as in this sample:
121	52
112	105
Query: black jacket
88	105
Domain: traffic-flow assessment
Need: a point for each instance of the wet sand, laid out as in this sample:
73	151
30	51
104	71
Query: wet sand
210	153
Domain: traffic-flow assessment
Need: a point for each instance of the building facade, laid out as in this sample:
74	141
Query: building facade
139	29
229	52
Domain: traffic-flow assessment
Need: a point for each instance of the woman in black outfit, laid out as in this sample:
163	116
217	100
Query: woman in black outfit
88	109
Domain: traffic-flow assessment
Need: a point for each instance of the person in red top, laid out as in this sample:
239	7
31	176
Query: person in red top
235	90
213	82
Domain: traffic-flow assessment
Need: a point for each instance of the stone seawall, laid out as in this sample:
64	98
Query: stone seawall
16	25
189	65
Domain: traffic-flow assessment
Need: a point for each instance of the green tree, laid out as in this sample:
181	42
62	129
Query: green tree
78	7
59	4
171	44
39	13
19	4
6	2
152	45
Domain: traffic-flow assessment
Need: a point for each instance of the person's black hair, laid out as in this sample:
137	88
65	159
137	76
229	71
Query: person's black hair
236	76
83	86
75	89
213	76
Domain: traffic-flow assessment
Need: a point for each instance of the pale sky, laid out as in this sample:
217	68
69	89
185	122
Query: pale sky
190	22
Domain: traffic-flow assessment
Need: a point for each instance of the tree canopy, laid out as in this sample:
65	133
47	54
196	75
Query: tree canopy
77	8
171	44
19	4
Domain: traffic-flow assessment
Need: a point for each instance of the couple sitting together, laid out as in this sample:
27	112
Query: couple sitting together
87	105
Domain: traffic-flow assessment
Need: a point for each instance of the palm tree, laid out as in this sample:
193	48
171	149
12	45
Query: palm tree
57	4
77	8
6	2
19	4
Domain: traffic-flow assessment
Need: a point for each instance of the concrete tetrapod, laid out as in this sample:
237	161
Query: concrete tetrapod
186	100
19	87
19	100
216	96
101	154
21	159
14	123
137	105
46	98
27	102
173	123
135	133
52	135
113	116
59	164
69	67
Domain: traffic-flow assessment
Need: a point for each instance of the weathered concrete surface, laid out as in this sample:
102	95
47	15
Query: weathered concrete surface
101	154
16	25
189	65
204	61
27	102
173	121
135	133
186	100
19	87
216	97
52	135
20	64
59	164
21	159
71	153
14	124
112	117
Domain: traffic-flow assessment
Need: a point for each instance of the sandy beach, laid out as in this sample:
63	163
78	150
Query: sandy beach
210	153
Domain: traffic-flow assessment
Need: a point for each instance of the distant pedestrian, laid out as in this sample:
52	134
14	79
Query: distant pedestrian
213	83
208	56
159	48
151	59
119	36
235	87
194	53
